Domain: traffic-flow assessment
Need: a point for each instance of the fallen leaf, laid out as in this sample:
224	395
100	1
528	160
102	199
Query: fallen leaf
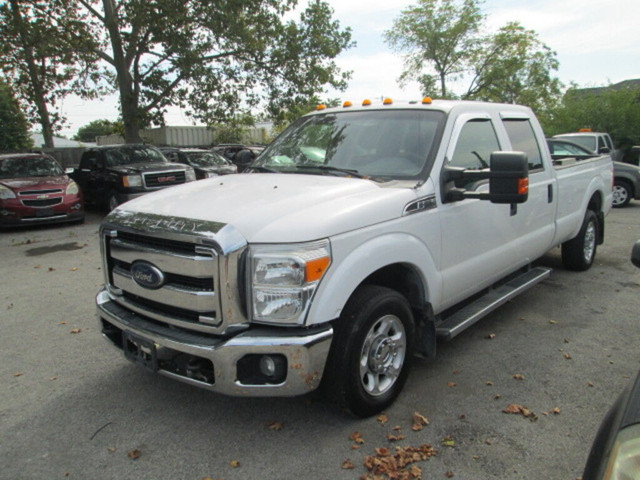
51	269
10	306
488	441
590	384
395	438
552	322
53	378
277	426
234	463
449	475
566	340
38	266
491	336
134	454
448	441
355	447
357	437
18	374
521	410
383	419
76	330
383	451
567	356
489	384
419	421
518	376
348	465
397	428
497	396
73	269
462	416
112	449
62	323
415	471
556	411
457	372
452	384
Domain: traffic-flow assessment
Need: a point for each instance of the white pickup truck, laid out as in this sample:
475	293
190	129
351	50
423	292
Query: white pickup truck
359	236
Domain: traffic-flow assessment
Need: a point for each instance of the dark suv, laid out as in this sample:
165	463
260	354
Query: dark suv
239	154
113	174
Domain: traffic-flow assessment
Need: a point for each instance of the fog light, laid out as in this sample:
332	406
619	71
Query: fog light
255	369
267	366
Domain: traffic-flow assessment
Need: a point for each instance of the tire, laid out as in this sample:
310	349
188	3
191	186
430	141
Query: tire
621	193
371	353
112	202
579	253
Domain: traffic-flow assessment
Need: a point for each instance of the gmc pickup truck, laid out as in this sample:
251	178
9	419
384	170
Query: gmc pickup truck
113	174
359	237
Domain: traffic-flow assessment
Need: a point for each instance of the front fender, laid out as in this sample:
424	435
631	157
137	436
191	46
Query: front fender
354	261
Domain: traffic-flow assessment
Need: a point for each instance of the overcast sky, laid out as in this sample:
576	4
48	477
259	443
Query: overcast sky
597	43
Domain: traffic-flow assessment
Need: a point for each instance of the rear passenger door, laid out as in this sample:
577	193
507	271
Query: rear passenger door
535	219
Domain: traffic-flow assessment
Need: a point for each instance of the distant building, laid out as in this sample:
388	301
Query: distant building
59	142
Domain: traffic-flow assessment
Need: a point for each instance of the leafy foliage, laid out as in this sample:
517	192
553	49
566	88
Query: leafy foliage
41	58
90	131
510	66
216	59
615	111
14	129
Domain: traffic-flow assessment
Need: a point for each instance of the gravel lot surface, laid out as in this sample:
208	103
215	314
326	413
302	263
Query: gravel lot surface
72	407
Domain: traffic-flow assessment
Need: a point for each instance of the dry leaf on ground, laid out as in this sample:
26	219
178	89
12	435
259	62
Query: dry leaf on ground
521	410
134	454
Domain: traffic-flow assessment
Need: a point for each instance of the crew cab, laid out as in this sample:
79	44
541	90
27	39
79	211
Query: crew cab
114	174
359	237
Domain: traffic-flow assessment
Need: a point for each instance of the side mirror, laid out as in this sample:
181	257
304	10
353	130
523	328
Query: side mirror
509	180
604	150
635	254
69	170
508	176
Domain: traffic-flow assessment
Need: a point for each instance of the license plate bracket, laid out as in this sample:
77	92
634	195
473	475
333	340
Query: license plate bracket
140	350
44	212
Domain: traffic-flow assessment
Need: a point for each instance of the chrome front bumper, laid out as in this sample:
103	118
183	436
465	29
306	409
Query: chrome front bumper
306	351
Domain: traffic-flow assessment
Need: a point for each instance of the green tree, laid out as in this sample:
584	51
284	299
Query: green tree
615	111
440	34
39	56
216	58
90	131
14	129
511	66
514	66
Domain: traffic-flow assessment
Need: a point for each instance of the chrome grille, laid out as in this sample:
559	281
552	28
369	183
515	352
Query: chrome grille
164	179
188	298
39	192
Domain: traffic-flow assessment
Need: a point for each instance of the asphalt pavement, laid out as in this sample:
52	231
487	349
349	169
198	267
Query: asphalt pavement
72	407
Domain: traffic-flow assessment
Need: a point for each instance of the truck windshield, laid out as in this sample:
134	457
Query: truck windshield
391	144
586	141
128	154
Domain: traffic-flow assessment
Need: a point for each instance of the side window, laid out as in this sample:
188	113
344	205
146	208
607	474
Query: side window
607	140
601	143
524	140
90	162
476	143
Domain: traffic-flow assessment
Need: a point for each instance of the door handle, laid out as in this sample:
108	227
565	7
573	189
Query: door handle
549	193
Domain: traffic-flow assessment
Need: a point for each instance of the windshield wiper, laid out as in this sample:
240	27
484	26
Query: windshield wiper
329	168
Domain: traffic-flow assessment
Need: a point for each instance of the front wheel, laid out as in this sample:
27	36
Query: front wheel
112	203
579	252
371	353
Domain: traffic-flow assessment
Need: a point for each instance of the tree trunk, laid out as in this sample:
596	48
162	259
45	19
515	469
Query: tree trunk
443	87
128	98
35	80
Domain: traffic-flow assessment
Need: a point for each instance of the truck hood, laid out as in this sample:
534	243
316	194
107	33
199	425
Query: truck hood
272	208
145	167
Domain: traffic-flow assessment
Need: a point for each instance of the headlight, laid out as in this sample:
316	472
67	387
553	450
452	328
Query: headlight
6	193
132	181
72	188
624	461
191	175
283	279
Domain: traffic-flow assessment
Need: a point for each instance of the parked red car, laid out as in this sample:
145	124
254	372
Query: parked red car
35	189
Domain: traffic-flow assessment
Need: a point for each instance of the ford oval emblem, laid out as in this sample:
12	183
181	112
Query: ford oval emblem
147	275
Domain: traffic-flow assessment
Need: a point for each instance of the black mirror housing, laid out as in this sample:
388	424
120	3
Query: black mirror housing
509	177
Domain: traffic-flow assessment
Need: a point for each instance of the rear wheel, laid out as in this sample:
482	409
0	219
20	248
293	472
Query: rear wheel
579	252
621	193
112	203
371	353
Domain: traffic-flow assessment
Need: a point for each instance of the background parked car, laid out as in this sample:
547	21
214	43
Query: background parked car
615	453
595	142
113	174
241	155
205	162
626	177
34	189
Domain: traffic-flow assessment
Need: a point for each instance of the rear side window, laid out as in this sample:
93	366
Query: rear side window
523	139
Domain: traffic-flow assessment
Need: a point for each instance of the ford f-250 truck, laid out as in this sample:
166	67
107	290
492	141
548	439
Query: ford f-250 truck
359	236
